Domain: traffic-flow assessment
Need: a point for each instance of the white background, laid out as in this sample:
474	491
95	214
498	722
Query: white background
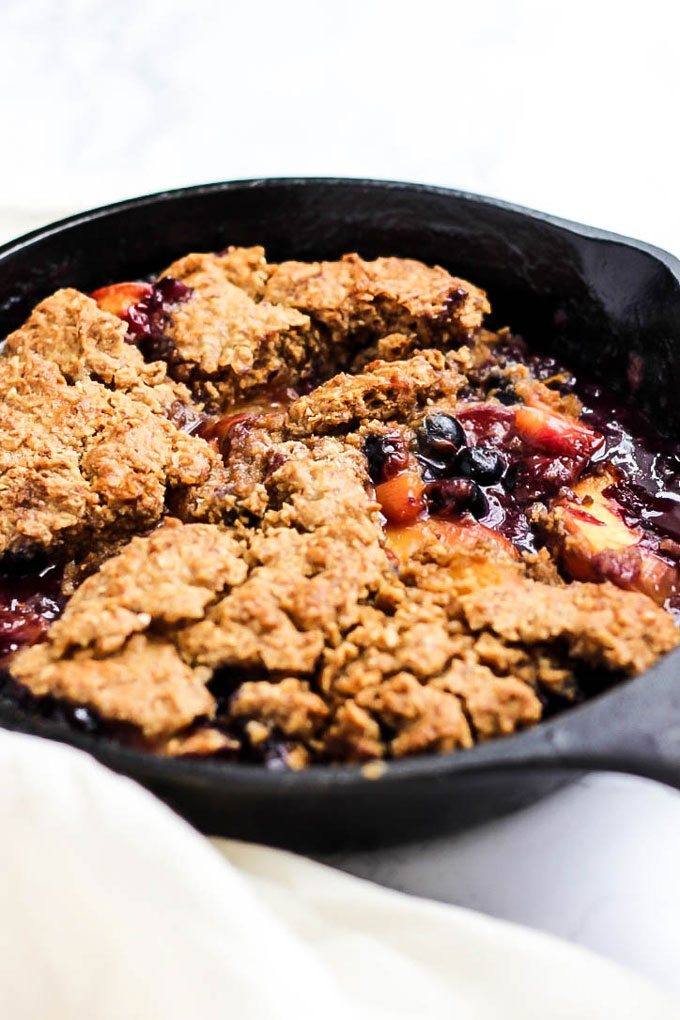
567	107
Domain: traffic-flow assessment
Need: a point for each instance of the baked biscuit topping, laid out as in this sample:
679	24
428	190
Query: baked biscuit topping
81	463
311	512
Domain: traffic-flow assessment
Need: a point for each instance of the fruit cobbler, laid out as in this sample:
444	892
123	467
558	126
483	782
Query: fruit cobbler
317	512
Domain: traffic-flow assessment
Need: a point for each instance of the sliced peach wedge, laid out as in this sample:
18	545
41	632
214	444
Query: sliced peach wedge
119	297
555	433
401	498
463	535
474	556
594	543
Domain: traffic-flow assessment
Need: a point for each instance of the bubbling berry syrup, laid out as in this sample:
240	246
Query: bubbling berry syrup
28	605
148	318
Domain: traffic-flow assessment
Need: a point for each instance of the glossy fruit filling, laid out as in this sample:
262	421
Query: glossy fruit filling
144	307
478	476
30	599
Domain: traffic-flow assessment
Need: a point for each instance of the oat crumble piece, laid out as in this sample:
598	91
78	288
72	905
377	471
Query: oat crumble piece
86	343
79	460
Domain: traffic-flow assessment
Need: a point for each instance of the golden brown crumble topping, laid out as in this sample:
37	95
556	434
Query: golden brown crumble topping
82	463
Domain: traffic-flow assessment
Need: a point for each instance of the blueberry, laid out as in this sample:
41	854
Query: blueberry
481	463
169	291
386	456
451	497
441	434
510	478
148	318
432	469
507	394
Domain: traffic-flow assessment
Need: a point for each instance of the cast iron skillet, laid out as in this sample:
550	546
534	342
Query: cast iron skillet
597	299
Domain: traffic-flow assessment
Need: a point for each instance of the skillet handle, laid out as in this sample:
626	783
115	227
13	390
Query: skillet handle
634	728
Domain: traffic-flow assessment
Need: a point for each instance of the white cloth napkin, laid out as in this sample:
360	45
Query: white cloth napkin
112	907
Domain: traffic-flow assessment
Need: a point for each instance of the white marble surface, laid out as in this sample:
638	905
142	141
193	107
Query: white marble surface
570	108
595	863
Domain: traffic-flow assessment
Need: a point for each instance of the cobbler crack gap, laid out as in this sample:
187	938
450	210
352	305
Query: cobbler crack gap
300	513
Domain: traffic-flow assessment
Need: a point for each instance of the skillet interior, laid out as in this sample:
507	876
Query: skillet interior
595	299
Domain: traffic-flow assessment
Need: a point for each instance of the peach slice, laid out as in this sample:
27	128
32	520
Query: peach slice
221	430
118	297
596	518
556	434
598	544
402	497
458	536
